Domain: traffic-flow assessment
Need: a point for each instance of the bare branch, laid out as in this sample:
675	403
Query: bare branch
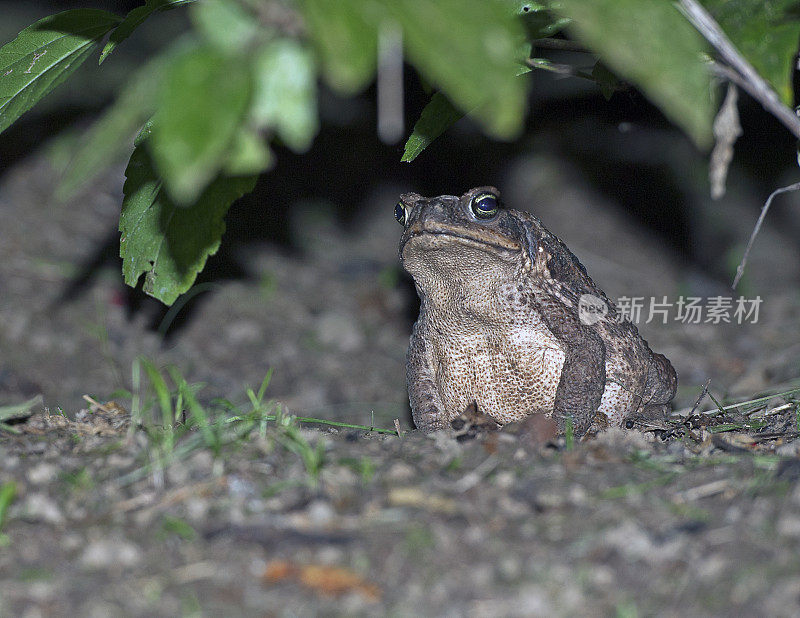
701	396
742	73
762	216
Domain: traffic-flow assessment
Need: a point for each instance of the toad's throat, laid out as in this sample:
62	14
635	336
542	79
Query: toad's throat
482	238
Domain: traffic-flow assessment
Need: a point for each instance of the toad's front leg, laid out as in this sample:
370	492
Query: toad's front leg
583	375
427	408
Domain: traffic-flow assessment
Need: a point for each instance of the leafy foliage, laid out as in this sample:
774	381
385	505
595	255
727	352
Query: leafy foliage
134	19
632	37
203	98
475	63
766	32
44	55
165	242
434	120
245	75
346	37
285	94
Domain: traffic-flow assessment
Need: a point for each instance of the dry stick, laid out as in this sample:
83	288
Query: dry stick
100	406
700	397
761	217
744	74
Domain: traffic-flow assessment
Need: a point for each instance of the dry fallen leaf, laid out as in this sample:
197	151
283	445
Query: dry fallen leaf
322	579
278	570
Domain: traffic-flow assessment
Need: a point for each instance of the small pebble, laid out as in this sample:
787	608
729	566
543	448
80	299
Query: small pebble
42	508
105	553
42	473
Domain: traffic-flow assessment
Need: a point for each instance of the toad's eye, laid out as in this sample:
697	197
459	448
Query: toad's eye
400	213
484	206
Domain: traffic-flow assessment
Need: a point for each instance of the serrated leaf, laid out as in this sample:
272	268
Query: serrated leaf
225	24
345	34
650	44
766	32
134	19
474	63
437	116
285	95
203	101
166	243
44	55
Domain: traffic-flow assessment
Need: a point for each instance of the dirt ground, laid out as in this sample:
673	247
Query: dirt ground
699	516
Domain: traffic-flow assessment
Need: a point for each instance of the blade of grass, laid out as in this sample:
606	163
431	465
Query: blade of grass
569	433
264	384
8	491
20	410
162	391
197	412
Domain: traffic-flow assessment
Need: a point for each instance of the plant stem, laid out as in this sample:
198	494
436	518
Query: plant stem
739	70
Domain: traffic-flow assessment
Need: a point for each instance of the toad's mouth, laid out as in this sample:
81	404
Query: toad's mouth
481	238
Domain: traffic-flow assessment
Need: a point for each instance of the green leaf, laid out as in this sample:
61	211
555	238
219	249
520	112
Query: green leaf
133	20
167	243
202	103
44	55
474	63
605	80
249	155
225	24
286	92
649	43
8	491
766	32
162	390
345	34
438	115
538	19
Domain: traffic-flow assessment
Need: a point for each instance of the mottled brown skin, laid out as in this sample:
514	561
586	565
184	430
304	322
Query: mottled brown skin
499	325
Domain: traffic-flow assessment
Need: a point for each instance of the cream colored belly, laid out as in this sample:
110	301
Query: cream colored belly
507	381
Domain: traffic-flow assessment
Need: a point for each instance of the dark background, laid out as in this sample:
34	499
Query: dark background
623	146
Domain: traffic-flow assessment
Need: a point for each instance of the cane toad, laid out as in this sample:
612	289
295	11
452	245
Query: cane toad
511	323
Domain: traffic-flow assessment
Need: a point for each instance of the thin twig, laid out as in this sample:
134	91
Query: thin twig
761	217
100	406
559	44
743	72
701	396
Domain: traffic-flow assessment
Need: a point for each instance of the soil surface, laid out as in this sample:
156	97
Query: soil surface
697	516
